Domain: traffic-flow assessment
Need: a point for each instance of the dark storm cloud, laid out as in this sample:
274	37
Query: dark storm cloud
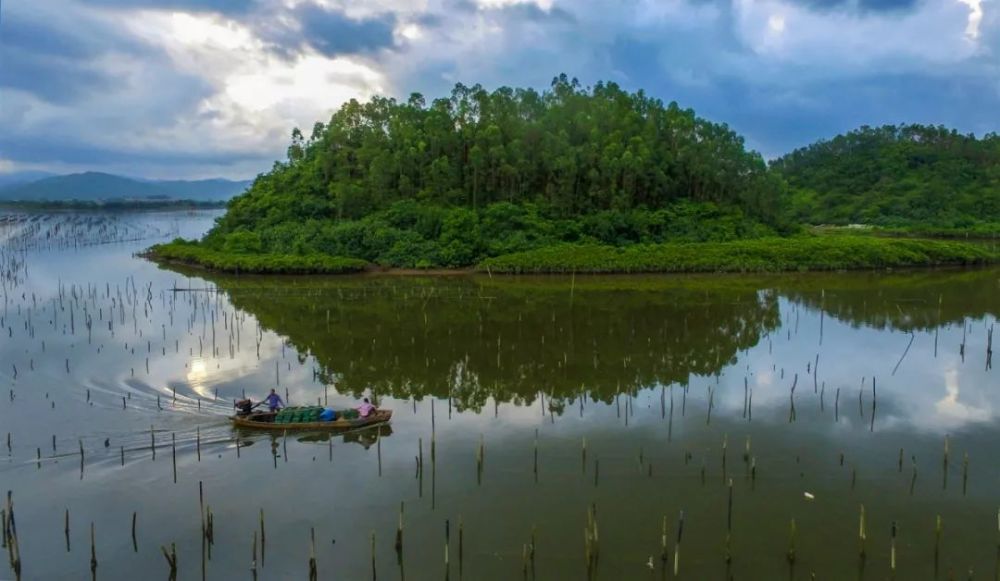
59	81
41	39
331	32
49	62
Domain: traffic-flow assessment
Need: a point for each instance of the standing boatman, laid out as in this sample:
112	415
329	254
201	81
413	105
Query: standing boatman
273	401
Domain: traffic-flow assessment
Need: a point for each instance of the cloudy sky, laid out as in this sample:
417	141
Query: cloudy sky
200	88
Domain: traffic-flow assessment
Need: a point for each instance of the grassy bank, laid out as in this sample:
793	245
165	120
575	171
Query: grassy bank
192	254
761	255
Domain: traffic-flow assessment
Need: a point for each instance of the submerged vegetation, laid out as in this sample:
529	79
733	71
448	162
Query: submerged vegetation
594	179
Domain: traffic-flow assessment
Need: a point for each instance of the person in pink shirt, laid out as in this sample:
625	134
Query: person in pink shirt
366	408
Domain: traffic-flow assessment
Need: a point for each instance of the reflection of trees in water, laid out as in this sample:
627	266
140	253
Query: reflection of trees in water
910	301
472	339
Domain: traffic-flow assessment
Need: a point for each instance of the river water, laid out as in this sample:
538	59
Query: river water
562	422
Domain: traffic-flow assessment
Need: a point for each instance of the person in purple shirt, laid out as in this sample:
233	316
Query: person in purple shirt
273	401
366	408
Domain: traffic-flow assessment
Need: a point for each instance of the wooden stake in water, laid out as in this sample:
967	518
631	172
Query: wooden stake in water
253	556
862	533
461	543
263	538
938	529
677	544
792	533
965	472
729	524
93	552
892	550
947	447
479	460
312	554
399	531
447	542
173	450
535	465
171	558
663	544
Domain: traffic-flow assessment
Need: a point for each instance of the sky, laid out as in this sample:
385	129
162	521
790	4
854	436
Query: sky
213	88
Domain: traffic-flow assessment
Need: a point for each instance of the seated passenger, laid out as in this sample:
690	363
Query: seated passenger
366	408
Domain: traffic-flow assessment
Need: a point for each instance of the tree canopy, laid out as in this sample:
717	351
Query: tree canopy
445	181
896	176
481	174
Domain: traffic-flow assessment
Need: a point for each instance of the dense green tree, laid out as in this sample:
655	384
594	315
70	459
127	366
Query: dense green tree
910	175
480	173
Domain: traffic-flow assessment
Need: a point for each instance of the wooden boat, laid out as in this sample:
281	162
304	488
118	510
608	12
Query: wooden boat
265	421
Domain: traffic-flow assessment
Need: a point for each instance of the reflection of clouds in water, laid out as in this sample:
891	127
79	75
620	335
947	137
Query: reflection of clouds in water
910	401
952	411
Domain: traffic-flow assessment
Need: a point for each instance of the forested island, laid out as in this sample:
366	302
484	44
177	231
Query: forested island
595	180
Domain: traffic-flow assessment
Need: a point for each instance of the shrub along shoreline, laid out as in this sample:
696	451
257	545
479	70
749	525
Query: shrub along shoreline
193	254
775	254
760	255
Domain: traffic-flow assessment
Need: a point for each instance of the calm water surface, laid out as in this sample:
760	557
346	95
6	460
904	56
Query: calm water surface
800	397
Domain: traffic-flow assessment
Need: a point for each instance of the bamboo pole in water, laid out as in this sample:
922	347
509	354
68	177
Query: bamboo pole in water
263	538
892	550
729	524
862	533
938	529
947	446
399	531
677	543
171	558
792	533
312	554
93	552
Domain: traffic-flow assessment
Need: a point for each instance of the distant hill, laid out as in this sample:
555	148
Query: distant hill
21	177
896	176
96	186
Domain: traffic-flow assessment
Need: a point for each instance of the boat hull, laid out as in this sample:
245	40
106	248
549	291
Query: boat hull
265	421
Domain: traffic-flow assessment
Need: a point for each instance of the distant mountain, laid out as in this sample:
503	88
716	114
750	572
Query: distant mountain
96	186
21	177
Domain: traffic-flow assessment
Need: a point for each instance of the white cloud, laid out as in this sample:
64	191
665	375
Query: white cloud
975	17
257	94
842	41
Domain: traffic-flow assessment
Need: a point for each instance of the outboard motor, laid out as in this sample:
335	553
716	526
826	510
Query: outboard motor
243	407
